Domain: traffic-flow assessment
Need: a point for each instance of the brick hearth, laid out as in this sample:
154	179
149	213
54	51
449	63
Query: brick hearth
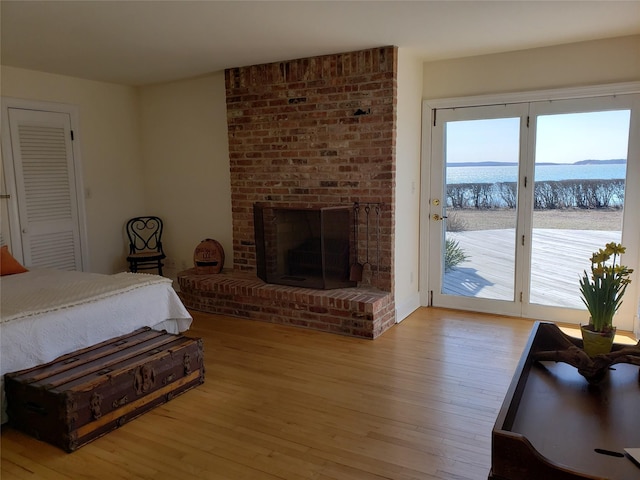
360	312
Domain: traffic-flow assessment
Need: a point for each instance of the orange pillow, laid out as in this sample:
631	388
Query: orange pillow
8	264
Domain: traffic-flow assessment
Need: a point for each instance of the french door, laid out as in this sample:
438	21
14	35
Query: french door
520	197
489	142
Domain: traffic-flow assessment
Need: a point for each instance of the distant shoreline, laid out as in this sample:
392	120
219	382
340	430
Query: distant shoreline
616	161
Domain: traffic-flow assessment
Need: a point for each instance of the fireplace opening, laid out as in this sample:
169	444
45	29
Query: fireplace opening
303	247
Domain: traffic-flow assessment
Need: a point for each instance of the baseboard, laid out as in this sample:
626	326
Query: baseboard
407	307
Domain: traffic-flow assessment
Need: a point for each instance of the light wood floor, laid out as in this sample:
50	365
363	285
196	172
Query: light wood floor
285	403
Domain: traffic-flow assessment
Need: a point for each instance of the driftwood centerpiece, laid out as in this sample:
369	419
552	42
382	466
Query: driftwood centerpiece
566	349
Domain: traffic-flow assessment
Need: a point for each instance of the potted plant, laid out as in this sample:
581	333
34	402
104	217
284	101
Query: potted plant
602	293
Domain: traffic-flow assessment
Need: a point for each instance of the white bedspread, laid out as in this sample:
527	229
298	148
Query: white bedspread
43	291
43	316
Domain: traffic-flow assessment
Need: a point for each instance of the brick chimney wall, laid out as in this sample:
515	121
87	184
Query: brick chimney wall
316	132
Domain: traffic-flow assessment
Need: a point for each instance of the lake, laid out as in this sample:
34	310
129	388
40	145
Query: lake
491	174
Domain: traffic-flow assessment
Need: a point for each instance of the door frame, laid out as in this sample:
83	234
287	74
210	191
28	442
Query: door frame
10	178
429	113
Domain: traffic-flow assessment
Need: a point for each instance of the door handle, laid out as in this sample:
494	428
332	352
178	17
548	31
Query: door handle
5	195
437	217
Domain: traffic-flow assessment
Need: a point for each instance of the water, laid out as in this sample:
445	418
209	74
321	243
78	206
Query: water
486	174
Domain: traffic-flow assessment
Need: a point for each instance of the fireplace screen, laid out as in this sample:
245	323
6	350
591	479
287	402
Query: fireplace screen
303	247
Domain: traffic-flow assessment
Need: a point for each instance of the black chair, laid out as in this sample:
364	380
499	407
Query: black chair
145	244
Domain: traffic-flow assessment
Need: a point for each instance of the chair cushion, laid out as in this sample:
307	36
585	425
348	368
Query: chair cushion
145	257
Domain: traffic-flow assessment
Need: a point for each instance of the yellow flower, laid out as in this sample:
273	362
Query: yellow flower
600	256
614	248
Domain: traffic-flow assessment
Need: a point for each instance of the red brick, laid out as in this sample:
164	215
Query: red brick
293	139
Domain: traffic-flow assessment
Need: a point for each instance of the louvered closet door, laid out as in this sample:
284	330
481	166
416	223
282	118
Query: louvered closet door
46	188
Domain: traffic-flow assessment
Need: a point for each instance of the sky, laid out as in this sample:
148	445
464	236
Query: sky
561	138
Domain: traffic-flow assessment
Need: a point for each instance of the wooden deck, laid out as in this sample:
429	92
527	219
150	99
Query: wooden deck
558	259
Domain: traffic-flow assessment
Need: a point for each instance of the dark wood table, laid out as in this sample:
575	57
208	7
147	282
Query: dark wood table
554	425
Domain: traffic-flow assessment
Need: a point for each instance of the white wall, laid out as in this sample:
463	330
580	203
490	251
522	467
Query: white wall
110	148
587	63
407	225
186	162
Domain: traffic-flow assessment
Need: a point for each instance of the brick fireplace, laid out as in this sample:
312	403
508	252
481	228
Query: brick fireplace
311	133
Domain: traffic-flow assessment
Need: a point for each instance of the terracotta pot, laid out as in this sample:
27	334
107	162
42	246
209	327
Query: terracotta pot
208	257
595	343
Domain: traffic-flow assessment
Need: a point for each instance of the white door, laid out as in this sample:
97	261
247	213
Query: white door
43	171
522	195
588	143
477	259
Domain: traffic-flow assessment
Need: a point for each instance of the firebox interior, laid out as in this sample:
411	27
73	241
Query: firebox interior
303	247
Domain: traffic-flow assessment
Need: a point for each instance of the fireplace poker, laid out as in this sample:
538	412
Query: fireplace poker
367	211
377	242
355	273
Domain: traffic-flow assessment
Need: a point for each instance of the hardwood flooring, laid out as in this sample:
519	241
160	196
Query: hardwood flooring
287	403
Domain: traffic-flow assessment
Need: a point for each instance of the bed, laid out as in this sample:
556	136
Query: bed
46	313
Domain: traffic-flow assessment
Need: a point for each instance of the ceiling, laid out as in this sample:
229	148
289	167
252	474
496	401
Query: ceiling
145	42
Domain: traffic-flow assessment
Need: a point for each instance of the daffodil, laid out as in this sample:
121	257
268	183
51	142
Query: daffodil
602	291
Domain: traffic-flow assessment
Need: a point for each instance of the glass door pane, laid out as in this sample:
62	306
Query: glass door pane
480	210
580	176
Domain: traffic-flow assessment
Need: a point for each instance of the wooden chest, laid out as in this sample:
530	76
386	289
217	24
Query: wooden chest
85	394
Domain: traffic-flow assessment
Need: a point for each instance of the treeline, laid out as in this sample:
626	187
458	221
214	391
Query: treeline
551	194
